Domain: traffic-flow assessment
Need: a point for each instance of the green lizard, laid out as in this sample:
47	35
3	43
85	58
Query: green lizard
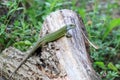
42	41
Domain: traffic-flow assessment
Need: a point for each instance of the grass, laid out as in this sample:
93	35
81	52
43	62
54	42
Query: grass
21	24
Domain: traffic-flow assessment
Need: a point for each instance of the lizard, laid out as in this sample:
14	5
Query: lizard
42	41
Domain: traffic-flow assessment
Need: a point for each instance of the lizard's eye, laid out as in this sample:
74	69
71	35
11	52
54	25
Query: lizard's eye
70	27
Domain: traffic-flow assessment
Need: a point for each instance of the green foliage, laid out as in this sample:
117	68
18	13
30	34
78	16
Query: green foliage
112	67
113	23
26	24
2	30
22	45
111	75
104	31
100	64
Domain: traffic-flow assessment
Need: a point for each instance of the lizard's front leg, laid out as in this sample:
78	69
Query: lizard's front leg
69	31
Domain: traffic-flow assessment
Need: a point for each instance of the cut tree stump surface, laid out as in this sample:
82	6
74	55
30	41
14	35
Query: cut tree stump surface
63	59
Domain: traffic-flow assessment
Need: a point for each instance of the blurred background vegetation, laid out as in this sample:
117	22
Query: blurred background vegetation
21	21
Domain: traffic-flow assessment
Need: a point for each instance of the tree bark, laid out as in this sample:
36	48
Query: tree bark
63	59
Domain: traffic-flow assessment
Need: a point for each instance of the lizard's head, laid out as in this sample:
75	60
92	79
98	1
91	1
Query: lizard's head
70	26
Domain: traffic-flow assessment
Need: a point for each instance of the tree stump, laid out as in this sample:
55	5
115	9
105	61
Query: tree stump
63	59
